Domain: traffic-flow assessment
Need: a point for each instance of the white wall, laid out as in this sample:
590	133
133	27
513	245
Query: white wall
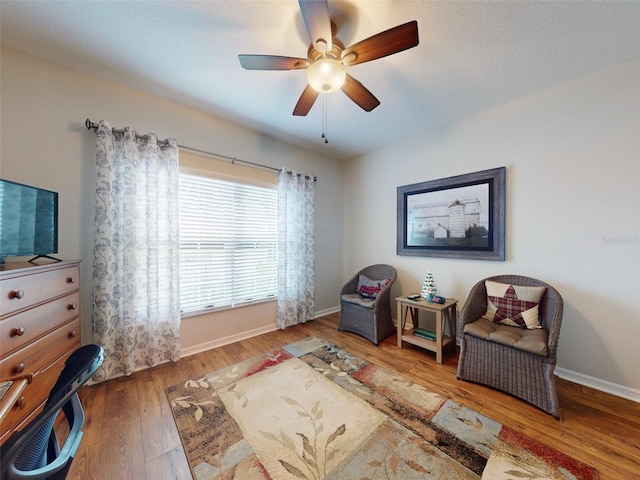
573	211
44	143
573	176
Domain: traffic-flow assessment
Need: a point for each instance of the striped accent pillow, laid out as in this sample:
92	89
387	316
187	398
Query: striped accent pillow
370	288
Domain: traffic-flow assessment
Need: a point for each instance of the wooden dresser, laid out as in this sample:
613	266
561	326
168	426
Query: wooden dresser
39	328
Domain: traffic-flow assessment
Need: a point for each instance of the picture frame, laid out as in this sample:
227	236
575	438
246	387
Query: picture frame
456	217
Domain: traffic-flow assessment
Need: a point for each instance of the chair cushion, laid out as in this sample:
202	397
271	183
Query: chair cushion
370	288
532	341
358	300
513	305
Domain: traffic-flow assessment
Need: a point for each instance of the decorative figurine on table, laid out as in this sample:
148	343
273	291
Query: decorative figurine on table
428	287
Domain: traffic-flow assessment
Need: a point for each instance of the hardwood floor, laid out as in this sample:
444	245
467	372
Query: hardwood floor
130	432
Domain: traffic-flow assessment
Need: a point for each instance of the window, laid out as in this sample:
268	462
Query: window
228	243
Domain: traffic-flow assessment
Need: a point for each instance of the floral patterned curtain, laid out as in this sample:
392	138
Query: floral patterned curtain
136	304
296	247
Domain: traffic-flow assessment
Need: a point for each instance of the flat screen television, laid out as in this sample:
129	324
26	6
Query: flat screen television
28	221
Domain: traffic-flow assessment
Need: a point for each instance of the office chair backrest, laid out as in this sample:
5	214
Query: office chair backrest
33	453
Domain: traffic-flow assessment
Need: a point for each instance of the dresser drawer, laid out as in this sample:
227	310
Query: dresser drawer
39	354
25	327
23	291
32	397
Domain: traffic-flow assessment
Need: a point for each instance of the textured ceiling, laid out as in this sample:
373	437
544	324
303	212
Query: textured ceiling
472	57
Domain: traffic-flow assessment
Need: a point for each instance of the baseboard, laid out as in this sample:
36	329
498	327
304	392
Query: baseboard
219	342
571	376
598	384
593	382
327	311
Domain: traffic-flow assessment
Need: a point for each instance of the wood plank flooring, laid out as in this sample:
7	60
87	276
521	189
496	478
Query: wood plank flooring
130	432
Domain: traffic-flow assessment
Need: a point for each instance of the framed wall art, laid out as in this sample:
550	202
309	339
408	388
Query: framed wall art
454	217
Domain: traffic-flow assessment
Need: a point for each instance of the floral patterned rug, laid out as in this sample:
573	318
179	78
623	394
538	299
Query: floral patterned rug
314	411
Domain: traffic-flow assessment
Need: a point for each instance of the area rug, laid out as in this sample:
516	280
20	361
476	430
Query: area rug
314	411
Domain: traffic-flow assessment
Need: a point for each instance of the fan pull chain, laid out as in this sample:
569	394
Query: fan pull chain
324	118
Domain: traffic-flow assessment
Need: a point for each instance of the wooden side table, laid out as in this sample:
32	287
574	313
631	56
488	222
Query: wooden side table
444	312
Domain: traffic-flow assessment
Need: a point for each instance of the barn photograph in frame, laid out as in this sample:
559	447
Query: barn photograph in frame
454	217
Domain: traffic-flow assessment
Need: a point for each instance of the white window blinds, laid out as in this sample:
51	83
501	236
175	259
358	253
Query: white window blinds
228	243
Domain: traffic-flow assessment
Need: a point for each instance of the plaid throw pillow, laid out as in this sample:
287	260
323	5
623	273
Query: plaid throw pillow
370	288
513	304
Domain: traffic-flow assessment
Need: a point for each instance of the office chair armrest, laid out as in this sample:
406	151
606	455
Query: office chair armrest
63	461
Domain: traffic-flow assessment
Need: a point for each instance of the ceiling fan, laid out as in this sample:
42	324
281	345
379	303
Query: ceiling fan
327	58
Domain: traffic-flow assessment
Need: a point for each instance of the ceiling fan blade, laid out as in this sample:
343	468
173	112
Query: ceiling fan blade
359	94
385	43
306	101
315	14
272	62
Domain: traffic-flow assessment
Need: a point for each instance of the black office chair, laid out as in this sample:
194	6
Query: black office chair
33	453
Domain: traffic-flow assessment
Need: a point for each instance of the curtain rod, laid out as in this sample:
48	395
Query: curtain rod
163	143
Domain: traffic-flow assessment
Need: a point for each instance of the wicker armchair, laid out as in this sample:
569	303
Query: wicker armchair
512	369
368	317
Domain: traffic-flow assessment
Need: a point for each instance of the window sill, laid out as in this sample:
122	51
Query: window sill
228	307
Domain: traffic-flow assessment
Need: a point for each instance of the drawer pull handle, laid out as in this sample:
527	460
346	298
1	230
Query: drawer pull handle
20	367
16	294
72	306
18	332
20	403
71	280
73	334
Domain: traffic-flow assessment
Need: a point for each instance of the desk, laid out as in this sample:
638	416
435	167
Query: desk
444	312
10	396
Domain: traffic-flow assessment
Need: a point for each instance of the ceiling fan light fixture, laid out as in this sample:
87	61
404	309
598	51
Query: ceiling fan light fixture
326	75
